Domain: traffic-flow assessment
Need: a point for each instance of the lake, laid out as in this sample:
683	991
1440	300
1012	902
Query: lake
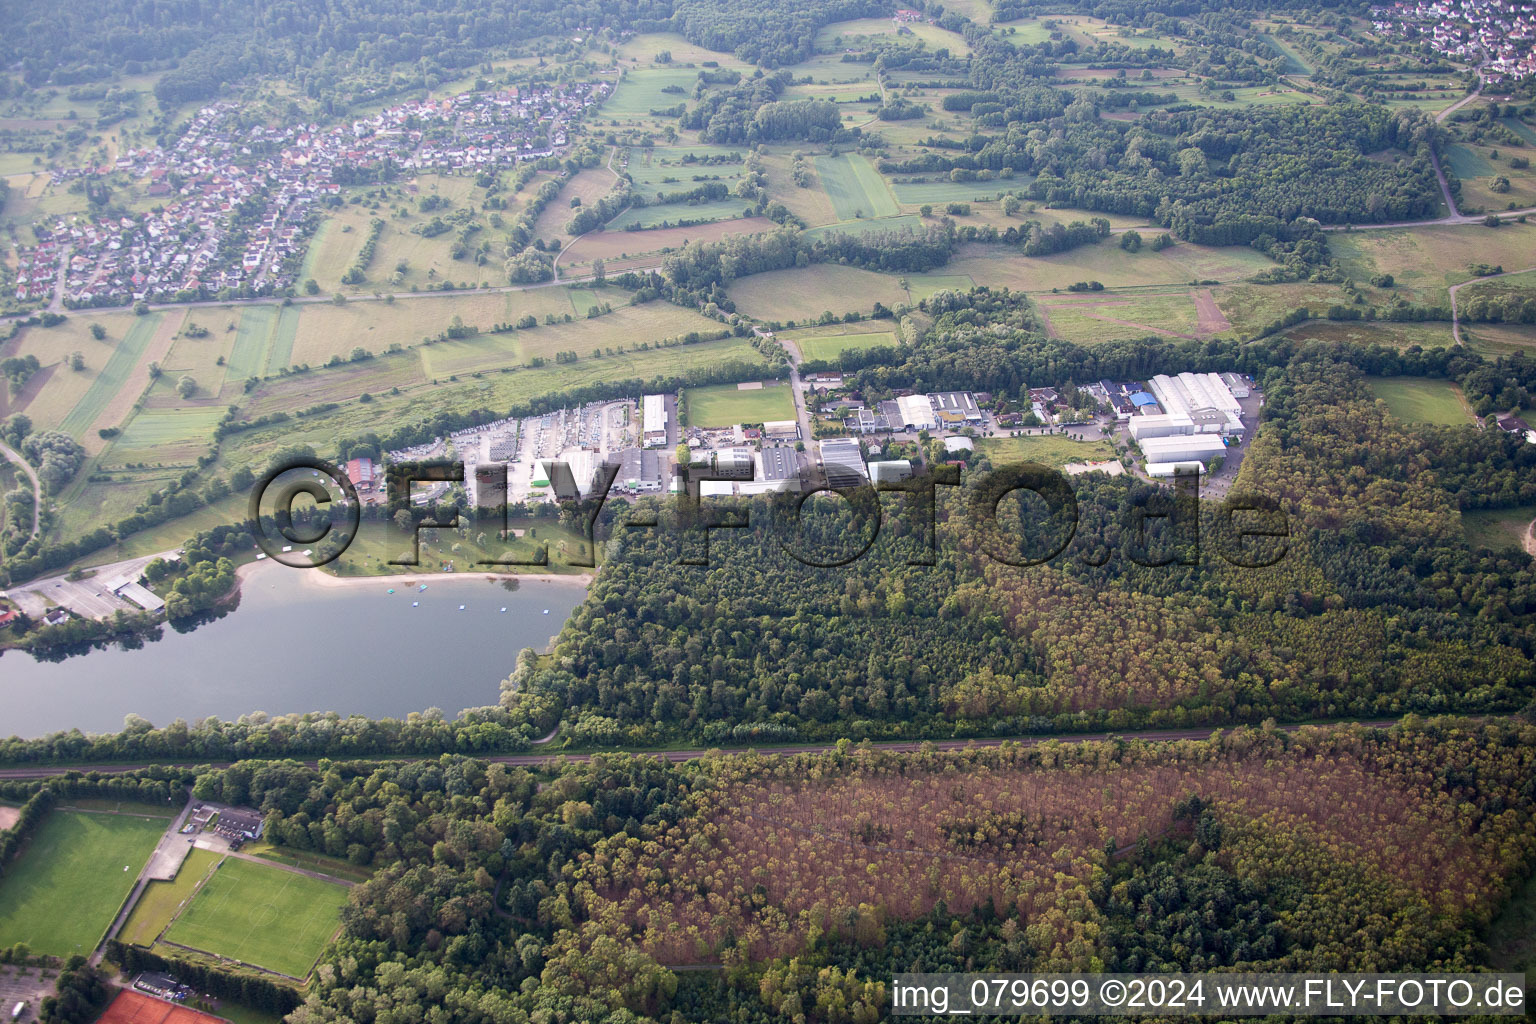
296	645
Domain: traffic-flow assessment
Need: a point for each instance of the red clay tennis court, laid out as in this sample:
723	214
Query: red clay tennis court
135	1008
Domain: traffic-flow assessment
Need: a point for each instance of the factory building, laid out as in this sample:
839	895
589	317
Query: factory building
655	422
1183	448
917	412
843	461
1203	397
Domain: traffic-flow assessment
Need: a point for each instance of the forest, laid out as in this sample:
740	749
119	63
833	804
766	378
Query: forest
1385	608
500	895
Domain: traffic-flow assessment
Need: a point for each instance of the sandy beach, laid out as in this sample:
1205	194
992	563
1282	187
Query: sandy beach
325	580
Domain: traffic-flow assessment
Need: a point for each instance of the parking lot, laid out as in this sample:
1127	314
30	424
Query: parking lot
23	984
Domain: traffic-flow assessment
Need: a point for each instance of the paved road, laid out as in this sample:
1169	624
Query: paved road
1455	313
797	389
14	458
533	760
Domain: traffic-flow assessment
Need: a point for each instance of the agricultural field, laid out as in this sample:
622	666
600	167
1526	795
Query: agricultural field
831	342
1106	262
1379	332
1054	450
910	192
1426	260
641	90
841	35
646	45
666	215
677	168
627	325
1499	339
1134	314
55	390
868	226
1498	527
588	185
725	405
261	915
621	250
110	391
856	189
161	901
169	437
60	894
804	292
1422	400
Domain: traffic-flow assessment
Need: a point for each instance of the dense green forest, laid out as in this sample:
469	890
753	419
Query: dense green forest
501	895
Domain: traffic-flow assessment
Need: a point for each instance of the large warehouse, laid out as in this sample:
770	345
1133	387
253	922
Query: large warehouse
1202	397
1183	448
654	420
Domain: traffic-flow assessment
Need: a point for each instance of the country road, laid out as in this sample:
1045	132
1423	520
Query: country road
676	756
14	458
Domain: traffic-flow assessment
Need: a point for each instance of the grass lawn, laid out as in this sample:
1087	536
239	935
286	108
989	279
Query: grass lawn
1420	400
855	187
1497	527
161	901
1054	450
60	895
723	405
831	346
261	915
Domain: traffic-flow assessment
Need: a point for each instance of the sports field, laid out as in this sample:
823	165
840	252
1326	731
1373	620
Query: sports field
60	895
261	915
855	187
160	901
1420	400
724	405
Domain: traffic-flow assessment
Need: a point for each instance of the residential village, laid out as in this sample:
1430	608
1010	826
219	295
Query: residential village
1498	34
239	197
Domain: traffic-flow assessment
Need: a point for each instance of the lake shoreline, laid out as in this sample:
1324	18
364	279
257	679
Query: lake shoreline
328	581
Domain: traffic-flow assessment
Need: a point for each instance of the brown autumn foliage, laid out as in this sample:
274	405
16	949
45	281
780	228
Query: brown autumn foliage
782	852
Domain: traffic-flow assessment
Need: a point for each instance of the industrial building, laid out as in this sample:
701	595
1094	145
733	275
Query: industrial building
1203	397
843	461
658	415
890	471
917	412
955	408
776	468
639	471
1183	448
1168	469
782	430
